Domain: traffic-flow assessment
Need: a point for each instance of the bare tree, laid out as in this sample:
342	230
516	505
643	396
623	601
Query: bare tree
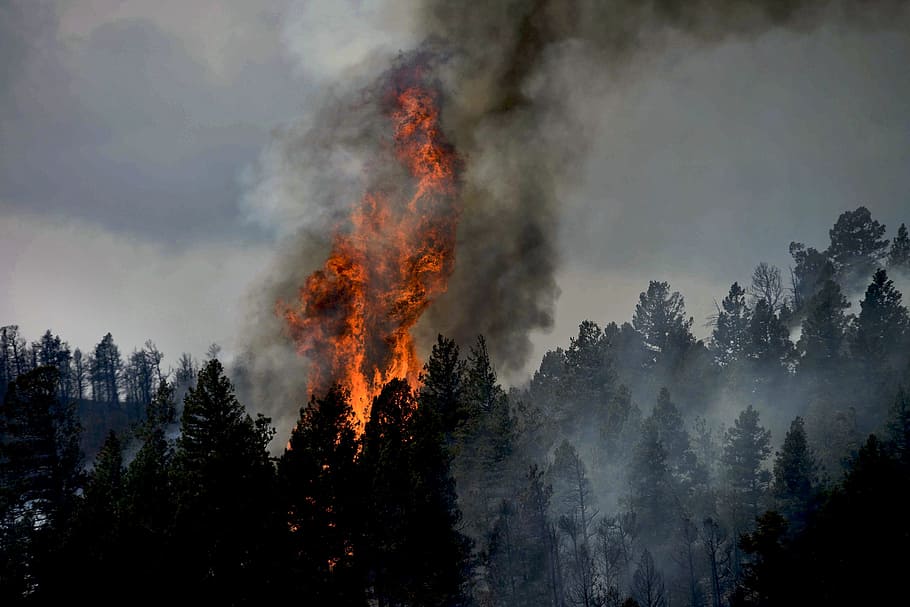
648	583
714	540
767	285
80	375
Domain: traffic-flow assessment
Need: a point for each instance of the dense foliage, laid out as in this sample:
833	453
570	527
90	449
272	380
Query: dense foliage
766	465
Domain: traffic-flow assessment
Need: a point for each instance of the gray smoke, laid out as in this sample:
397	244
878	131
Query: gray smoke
518	79
517	73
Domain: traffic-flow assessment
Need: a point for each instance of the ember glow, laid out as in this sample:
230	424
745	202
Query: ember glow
388	262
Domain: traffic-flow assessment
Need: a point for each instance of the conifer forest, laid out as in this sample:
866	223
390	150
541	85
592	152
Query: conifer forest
385	254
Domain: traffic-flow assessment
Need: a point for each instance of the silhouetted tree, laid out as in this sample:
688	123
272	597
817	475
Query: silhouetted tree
648	584
856	246
224	490
40	474
746	447
106	371
413	553
823	340
660	319
320	493
149	506
795	475
899	255
767	286
878	341
731	328
443	385
810	273
766	579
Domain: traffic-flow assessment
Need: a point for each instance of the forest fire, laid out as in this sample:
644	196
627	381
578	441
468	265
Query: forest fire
388	261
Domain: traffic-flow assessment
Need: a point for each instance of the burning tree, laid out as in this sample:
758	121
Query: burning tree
389	261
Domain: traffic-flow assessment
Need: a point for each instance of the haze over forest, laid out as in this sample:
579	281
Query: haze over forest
392	303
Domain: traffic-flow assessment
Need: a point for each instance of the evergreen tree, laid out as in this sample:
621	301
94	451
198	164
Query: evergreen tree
812	270
856	245
795	475
899	255
149	508
766	580
522	556
746	447
731	329
688	477
106	370
484	445
13	356
80	375
652	494
768	344
224	485
898	426
40	474
320	492
660	319
97	562
878	339
823	339
412	553
443	385
590	376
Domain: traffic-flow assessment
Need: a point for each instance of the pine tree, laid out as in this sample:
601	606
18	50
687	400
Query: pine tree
746	447
856	245
97	561
899	255
40	474
731	334
106	371
320	492
812	270
879	334
823	340
768	344
650	482
660	319
795	475
413	552
224	486
149	508
443	385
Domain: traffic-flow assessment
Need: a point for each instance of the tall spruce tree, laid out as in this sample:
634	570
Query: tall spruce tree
40	474
878	340
224	489
731	329
320	492
899	255
795	475
856	246
747	446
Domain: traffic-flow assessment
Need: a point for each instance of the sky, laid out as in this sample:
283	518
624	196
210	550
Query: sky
131	132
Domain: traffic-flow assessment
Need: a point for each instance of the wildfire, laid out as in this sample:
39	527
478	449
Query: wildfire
395	255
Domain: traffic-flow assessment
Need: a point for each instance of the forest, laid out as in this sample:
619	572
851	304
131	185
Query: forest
767	464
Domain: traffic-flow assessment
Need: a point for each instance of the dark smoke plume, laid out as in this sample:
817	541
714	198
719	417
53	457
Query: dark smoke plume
510	73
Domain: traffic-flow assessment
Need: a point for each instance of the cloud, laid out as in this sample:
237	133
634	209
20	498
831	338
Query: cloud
119	121
82	280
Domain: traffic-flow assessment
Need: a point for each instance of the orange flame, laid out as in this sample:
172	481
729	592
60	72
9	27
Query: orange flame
354	315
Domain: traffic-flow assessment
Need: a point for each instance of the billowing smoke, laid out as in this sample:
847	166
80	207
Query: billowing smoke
518	80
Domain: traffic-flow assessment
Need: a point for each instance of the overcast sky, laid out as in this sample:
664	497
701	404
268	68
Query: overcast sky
129	130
